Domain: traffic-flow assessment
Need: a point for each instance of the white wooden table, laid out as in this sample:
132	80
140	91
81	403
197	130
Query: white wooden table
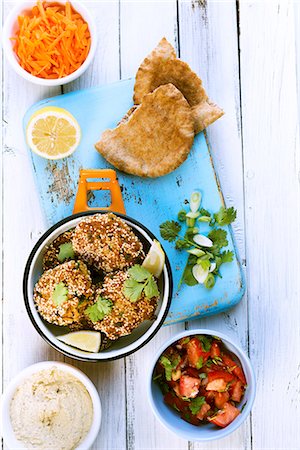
246	53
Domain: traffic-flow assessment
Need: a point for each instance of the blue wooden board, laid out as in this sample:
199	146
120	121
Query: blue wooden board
151	201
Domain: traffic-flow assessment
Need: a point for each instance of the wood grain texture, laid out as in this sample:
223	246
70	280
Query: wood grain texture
272	162
149	23
208	33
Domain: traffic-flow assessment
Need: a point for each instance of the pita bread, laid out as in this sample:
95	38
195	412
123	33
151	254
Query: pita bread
155	138
162	67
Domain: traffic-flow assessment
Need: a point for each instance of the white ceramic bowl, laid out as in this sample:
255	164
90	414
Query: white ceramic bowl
8	433
11	25
206	432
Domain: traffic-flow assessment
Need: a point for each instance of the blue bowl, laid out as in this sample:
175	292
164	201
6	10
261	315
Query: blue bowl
206	432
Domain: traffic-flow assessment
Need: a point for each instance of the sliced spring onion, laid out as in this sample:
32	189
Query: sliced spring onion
210	281
202	240
212	266
199	273
195	201
196	251
195	230
190	223
204	219
193	215
181	215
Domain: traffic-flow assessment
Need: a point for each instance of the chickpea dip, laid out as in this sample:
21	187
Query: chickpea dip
51	409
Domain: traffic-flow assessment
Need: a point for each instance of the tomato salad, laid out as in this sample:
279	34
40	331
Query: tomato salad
201	380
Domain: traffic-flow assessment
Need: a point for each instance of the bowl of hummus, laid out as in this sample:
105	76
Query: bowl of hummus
51	405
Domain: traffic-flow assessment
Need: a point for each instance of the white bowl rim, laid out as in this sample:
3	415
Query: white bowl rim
8	434
119	353
10	55
245	361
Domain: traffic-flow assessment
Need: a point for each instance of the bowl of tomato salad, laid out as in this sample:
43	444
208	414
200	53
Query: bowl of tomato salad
201	385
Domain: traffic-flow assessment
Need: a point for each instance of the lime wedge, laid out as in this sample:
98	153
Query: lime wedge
155	259
89	341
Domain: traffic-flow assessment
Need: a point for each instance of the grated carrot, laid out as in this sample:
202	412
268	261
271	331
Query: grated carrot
53	40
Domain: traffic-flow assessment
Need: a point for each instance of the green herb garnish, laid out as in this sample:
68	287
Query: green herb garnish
205	342
225	216
139	281
209	258
65	252
60	294
99	310
196	404
169	365
169	230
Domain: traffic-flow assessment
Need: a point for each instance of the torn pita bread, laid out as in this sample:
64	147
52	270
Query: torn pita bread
162	67
154	138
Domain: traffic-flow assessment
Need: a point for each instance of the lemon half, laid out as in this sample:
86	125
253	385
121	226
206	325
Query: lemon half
89	341
53	133
155	259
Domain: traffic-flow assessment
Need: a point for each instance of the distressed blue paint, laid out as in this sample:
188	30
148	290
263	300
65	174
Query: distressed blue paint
151	201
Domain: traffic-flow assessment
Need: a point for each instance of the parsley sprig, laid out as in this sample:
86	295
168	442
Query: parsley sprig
140	281
208	258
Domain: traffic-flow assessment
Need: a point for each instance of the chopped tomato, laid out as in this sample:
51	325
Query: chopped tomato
225	416
221	398
196	354
216	374
203	410
189	386
192	372
215	350
237	391
234	368
218	385
176	402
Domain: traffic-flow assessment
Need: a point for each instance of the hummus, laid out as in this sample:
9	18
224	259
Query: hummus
51	409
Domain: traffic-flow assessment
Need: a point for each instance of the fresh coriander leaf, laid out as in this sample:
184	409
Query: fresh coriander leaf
189	234
196	404
218	236
151	289
133	290
138	273
204	212
199	363
60	294
210	281
205	342
181	215
202	375
99	310
65	252
187	276
225	216
169	230
182	244
226	256
167	365
185	341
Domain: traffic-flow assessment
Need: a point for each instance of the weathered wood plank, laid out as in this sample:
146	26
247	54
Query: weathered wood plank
143	24
272	196
209	43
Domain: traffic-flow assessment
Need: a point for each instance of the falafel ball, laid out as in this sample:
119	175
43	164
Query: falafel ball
107	243
62	293
53	255
125	315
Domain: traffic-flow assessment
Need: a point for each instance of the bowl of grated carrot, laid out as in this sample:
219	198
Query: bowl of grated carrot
49	43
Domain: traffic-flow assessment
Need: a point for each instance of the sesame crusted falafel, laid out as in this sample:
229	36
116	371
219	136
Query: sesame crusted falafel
51	256
125	315
62	293
106	242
